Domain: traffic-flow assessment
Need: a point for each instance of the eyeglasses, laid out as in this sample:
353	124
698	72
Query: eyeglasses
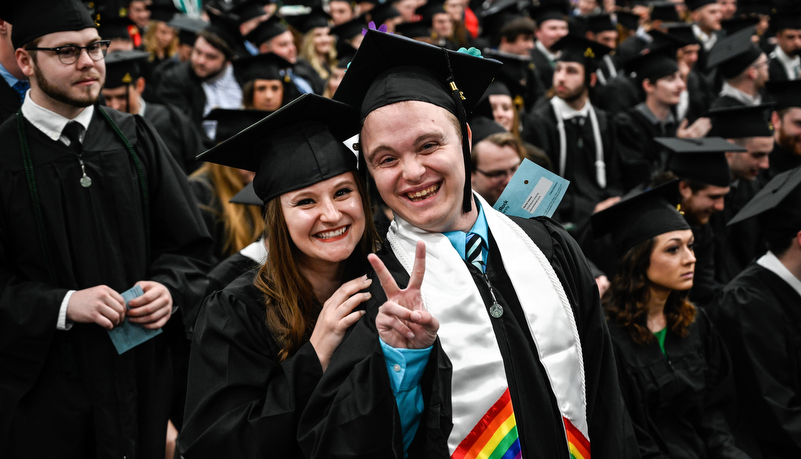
69	54
497	175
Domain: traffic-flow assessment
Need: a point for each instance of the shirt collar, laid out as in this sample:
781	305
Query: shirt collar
142	106
642	107
770	262
551	56
10	79
567	112
789	63
458	239
731	91
707	40
50	122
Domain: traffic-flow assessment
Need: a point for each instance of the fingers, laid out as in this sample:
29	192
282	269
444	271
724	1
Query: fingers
107	317
152	290
391	318
381	271
347	290
419	268
139	314
357	299
350	319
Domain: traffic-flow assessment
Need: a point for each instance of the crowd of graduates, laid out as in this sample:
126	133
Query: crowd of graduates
644	106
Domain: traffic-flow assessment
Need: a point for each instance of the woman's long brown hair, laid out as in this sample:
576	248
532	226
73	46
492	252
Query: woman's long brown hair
627	298
291	307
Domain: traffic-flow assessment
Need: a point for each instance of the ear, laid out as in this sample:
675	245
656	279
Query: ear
776	121
4	28
25	62
593	79
140	85
647	86
469	136
685	190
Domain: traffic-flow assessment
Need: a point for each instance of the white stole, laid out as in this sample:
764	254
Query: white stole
600	165
466	333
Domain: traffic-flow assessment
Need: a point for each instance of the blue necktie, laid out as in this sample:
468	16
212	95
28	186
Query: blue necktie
473	251
21	87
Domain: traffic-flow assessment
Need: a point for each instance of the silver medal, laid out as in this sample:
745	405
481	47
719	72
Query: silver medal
496	310
86	182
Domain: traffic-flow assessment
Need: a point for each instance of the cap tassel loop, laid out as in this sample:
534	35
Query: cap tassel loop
458	97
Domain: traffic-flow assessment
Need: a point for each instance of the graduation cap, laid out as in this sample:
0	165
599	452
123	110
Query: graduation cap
382	13
598	23
682	33
187	27
653	64
349	29
483	127
124	67
693	5
514	75
777	206
628	20
430	9
641	217
741	122
734	54
758	7
315	18
163	12
247	196
294	147
734	25
116	28
702	160
484	108
390	69
498	15
267	30
226	29
36	18
221	124
416	29
786	20
584	51
664	11
266	66
550	10
785	94
245	11
665	40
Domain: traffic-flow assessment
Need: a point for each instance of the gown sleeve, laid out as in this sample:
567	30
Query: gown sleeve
241	401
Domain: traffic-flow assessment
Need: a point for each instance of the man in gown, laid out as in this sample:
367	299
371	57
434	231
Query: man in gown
91	205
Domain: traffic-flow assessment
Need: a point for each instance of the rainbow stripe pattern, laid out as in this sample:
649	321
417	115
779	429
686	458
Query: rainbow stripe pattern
495	435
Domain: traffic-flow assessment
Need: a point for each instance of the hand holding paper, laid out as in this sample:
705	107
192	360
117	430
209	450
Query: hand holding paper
130	335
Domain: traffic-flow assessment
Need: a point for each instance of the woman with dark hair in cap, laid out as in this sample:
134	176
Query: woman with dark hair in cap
266	85
262	343
673	366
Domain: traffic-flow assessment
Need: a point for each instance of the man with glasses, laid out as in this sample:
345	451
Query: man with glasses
91	205
495	160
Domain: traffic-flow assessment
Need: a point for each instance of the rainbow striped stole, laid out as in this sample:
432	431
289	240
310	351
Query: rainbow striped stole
495	436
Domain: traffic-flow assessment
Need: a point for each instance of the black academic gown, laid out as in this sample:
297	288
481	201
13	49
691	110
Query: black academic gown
584	191
618	95
544	68
759	319
640	155
781	160
181	88
178	133
700	96
304	69
677	402
776	70
726	102
352	412
737	245
68	393
9	101
242	402
705	286
228	270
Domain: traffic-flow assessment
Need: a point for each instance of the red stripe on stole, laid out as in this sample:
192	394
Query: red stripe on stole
577	439
486	427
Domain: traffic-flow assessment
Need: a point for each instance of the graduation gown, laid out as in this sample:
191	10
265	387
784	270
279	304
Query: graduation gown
777	71
726	102
758	316
68	393
544	68
677	401
584	191
737	245
354	396
178	133
781	160
9	101
228	270
640	155
182	89
705	286
241	401
618	95
700	96
304	69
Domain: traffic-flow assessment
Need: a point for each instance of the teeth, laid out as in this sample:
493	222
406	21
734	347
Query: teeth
330	234
420	195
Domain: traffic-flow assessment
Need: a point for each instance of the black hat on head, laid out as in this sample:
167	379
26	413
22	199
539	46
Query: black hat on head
36	18
550	9
785	94
682	33
382	13
641	217
483	127
416	29
267	30
430	9
245	11
653	64
163	12
598	23
734	25
498	15
267	66
734	54
701	160
664	11
294	147
304	23
758	7
786	19
227	29
247	196
693	5
741	122
514	75
187	27
115	28
777	206
124	67
221	124
586	52
390	69
628	20
349	29
483	108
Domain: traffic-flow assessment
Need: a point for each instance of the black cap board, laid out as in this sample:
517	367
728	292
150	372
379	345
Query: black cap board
653	64
693	5
296	146
640	217
116	29
247	196
221	124
483	127
267	30
664	11
777	206
267	66
388	69
245	11
628	20
785	94
702	160
124	67
586	52
416	29
597	23
757	7
36	18
514	75
741	122
382	13
682	33
187	27
349	29
734	54
736	24
500	13
304	23
786	20
226	29
162	12
430	9
550	10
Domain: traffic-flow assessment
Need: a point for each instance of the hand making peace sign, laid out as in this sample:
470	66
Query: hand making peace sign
403	321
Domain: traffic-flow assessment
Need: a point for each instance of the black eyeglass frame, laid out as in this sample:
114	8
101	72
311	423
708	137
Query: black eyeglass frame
59	50
495	175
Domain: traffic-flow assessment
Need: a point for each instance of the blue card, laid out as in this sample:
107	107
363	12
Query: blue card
129	335
532	192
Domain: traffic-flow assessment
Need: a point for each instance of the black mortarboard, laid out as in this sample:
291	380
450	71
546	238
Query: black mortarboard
221	124
267	66
664	11
777	206
550	9
483	127
416	29
759	7
790	19
294	147
247	196
390	69
163	12
664	40
641	217
736	24
586	52
597	23
498	15
653	64
702	160
514	74
245	11
483	108
187	27
116	28
430	9
734	54
693	5
741	122
349	29
382	13
682	33
628	20
36	18
267	30
315	18
225	28
785	94
124	67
